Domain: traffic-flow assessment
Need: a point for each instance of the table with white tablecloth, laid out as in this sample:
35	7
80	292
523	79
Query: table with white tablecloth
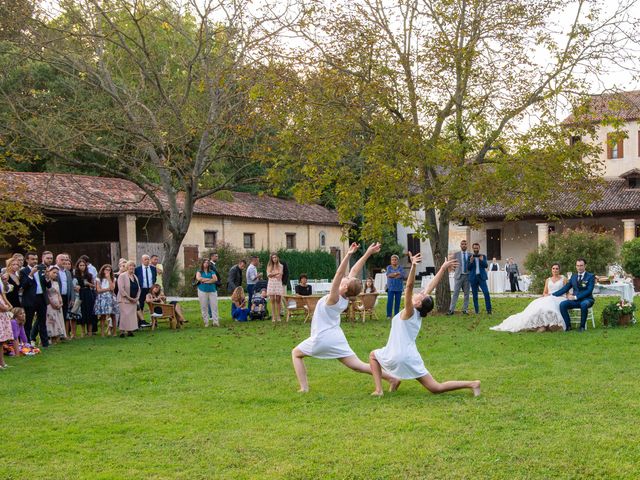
319	287
498	282
623	289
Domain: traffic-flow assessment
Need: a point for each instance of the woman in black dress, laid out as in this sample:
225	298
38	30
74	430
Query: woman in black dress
13	279
85	287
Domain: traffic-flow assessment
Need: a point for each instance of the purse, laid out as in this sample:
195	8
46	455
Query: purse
75	312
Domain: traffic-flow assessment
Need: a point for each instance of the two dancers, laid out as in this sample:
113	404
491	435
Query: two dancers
400	359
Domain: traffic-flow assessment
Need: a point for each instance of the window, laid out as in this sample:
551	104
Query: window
413	243
615	146
210	238
552	229
574	139
249	240
323	239
494	236
633	182
291	241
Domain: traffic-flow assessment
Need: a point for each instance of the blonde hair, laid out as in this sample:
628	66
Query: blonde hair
238	295
18	311
354	287
270	265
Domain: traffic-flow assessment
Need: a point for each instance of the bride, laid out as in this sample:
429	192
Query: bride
543	313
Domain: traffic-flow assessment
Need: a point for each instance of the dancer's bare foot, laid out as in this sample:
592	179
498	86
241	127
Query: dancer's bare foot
303	390
394	384
475	386
541	329
377	393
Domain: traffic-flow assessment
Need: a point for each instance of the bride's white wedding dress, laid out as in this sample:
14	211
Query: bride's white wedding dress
542	312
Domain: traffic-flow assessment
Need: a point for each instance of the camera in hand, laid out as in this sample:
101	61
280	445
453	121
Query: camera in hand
476	254
41	268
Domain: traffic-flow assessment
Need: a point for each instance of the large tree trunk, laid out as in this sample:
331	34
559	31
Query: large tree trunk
170	261
439	241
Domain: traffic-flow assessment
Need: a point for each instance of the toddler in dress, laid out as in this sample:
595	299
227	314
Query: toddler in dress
400	357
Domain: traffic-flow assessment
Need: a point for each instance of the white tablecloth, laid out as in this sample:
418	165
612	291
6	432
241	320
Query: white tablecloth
320	287
380	282
625	290
498	282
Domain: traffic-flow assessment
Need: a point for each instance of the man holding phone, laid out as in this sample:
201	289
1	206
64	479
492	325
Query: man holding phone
34	286
477	268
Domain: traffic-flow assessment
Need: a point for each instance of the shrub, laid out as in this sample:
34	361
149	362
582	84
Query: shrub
631	257
614	310
598	249
316	264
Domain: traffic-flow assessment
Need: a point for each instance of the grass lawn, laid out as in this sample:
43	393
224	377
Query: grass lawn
222	403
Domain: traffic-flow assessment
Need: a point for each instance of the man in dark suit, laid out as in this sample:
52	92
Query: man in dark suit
477	268
147	275
68	293
285	275
582	284
34	286
234	278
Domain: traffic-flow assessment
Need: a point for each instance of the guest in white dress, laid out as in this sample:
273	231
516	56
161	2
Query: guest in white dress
543	314
327	339
400	357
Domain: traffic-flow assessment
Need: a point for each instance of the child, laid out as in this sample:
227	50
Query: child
327	339
17	325
369	287
400	356
239	310
55	318
259	306
105	306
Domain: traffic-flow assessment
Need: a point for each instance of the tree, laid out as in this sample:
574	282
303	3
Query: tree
422	105
160	93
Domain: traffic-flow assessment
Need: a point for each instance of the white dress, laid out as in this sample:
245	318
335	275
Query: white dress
542	312
327	339
400	357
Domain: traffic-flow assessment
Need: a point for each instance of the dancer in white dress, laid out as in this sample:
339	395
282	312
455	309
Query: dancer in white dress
400	357
327	339
543	314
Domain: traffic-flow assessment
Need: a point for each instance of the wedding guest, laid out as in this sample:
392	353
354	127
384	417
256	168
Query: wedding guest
252	276
147	275
155	262
494	266
90	268
13	279
461	277
478	277
6	331
213	264
285	275
85	288
65	279
73	312
208	293
274	286
128	297
156	295
106	303
55	319
513	273
303	288
234	278
239	310
369	286
395	277
47	258
34	288
17	325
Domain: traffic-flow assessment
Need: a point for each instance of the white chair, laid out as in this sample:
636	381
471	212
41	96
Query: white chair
293	285
575	317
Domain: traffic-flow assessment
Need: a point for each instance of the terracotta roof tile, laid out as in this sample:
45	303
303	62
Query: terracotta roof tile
102	196
624	105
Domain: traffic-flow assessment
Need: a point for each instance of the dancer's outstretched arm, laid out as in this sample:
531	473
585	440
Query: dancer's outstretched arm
357	268
407	313
334	294
444	268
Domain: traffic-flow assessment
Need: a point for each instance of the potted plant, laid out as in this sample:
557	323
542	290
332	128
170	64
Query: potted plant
631	260
618	313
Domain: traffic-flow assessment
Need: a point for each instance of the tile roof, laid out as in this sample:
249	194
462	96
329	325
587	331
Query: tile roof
624	105
614	197
57	192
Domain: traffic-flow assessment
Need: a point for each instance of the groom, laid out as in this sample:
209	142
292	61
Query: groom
582	284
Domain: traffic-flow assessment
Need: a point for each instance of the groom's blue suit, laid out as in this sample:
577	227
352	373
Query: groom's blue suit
583	291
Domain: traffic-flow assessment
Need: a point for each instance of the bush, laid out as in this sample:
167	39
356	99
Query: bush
598	249
631	257
316	264
614	310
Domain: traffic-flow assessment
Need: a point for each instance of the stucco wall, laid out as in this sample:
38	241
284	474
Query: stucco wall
615	167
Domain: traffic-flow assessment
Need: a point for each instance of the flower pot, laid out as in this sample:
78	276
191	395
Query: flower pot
636	284
625	319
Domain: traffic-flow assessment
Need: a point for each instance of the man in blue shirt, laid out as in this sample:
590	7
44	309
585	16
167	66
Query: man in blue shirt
395	277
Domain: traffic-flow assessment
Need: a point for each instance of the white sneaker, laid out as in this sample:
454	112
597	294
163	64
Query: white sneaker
206	325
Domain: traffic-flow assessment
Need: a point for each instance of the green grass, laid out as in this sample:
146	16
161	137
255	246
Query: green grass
222	403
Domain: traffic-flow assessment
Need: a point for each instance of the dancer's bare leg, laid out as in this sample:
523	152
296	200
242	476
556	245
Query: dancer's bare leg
301	371
433	386
357	365
376	373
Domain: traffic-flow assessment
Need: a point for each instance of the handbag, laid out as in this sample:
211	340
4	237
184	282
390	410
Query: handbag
75	312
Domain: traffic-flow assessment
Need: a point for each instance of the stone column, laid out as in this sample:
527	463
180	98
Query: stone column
127	237
629	229
543	233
